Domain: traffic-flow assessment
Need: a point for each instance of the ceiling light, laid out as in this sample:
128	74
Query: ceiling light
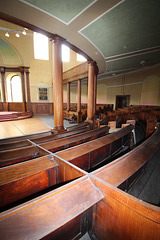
17	34
24	32
7	34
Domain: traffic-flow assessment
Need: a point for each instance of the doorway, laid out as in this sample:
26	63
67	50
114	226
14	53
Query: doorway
122	101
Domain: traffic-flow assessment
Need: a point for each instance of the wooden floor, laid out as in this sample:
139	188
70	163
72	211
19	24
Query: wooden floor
22	127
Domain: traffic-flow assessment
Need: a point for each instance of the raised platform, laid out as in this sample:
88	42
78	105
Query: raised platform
10	116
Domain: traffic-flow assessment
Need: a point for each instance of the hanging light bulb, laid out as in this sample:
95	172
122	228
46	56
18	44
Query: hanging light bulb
24	32
17	34
7	34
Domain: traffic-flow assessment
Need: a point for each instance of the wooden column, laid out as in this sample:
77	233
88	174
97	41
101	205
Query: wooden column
23	90
79	96
79	101
95	88
90	106
68	96
28	91
58	84
5	104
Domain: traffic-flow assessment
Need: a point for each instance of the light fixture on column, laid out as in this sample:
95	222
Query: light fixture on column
7	34
18	31
24	32
17	34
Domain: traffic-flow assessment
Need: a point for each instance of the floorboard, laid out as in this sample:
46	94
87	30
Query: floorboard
32	125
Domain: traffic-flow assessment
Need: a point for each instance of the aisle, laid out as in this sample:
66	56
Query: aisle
32	125
22	127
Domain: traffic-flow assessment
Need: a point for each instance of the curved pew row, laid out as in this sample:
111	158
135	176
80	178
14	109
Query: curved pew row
52	216
74	140
88	155
86	205
29	177
25	137
127	214
23	180
12	156
18	142
19	155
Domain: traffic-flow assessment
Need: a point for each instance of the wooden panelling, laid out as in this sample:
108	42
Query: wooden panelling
42	108
19	107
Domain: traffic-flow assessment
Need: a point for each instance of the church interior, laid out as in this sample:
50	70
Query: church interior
79	119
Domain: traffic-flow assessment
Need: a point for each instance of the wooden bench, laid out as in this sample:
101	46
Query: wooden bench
119	177
68	142
78	126
19	155
88	155
85	205
27	178
21	138
59	214
24	143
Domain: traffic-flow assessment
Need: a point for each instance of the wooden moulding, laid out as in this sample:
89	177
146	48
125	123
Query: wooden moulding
19	155
88	155
67	142
45	216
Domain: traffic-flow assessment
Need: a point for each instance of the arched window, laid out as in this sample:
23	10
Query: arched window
14	89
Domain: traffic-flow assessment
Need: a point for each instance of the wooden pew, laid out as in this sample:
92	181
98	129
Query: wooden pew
52	215
19	144
21	180
119	178
100	208
19	155
38	140
68	142
21	138
88	155
80	125
31	176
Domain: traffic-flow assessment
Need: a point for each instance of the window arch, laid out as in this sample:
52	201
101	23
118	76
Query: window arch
14	89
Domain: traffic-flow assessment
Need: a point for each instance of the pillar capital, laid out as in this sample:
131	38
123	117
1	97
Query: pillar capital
2	69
